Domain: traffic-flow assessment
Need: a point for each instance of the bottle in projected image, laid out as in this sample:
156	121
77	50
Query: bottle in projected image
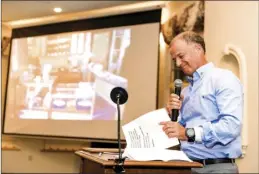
46	72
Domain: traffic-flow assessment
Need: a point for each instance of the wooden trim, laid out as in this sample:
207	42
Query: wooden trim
104	160
10	148
88	149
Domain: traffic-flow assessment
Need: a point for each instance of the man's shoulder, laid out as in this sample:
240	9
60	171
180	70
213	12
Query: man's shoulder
221	70
223	73
225	77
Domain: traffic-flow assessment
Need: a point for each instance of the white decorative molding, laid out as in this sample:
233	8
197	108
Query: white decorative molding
240	56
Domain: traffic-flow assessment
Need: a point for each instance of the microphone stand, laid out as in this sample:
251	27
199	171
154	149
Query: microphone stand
118	169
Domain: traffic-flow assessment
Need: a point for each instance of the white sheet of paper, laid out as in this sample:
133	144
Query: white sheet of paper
149	154
145	131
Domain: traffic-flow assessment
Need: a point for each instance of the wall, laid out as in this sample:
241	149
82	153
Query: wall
31	160
6	31
236	22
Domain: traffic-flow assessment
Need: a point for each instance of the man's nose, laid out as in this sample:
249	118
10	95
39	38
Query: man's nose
178	62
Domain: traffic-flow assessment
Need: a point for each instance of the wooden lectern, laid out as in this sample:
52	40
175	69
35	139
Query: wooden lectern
101	161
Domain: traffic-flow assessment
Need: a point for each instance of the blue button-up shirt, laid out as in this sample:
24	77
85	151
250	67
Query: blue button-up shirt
214	101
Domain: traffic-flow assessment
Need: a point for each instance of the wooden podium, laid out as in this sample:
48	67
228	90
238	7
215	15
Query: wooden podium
100	160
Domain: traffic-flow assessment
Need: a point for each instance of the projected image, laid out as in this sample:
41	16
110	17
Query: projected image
67	76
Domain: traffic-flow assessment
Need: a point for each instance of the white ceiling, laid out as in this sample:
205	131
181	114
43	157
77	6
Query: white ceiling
15	10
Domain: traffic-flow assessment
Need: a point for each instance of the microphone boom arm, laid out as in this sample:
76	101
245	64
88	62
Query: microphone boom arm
119	96
118	126
118	168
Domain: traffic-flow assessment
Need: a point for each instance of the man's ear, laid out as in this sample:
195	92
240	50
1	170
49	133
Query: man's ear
198	48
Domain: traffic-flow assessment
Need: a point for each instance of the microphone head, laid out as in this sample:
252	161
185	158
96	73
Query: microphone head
178	83
119	92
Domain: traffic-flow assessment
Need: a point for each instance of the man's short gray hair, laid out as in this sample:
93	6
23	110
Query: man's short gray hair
191	37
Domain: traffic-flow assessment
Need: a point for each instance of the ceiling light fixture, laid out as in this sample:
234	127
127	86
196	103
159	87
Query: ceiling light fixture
57	9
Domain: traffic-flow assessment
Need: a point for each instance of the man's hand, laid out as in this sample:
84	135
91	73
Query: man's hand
174	130
174	102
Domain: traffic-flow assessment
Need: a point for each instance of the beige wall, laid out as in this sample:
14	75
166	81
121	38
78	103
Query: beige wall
225	22
6	31
31	160
236	22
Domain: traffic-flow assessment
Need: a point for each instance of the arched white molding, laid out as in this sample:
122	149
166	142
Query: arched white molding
240	56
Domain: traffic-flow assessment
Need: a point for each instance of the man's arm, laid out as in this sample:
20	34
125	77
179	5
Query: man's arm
229	99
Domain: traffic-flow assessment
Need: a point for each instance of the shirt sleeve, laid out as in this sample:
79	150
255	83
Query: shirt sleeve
198	134
229	100
180	119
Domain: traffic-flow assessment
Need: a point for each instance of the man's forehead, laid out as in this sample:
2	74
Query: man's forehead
176	46
177	41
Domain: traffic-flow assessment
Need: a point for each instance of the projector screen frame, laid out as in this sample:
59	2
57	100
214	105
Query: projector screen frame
143	17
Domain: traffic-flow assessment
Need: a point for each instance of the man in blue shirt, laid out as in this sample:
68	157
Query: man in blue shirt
211	108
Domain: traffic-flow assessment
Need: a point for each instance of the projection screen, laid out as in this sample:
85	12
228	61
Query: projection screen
61	75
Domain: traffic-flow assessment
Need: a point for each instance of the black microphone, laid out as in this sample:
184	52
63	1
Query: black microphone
177	90
119	96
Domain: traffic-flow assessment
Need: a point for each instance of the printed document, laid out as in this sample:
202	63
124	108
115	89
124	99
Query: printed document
147	141
145	131
149	154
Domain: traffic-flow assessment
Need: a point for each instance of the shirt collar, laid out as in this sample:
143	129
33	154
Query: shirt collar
205	68
199	73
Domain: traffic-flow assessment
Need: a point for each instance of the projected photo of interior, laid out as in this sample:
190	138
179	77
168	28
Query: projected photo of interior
67	76
60	76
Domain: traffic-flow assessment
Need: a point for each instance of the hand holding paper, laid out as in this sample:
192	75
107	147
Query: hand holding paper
147	141
146	132
174	129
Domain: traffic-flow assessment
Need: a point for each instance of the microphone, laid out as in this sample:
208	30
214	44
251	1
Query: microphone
119	96
119	93
177	90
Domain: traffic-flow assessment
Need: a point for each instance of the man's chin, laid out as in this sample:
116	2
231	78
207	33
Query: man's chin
187	73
